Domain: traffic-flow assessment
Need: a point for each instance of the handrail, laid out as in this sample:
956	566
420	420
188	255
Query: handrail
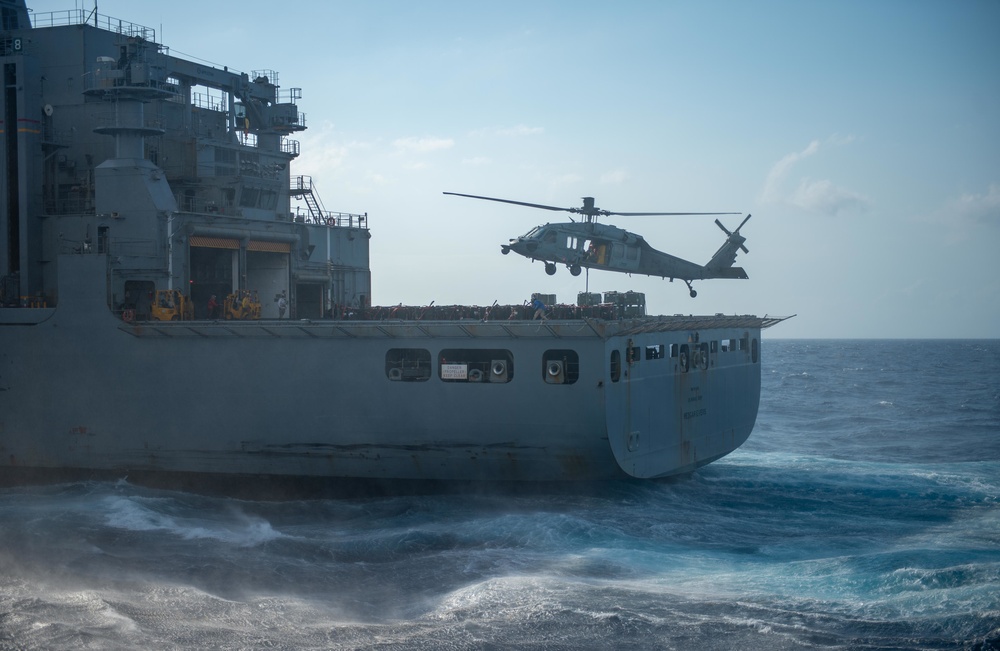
85	17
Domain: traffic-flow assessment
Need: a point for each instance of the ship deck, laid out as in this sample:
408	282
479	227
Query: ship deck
436	329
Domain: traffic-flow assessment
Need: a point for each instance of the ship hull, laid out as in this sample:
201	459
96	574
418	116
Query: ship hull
159	187
81	390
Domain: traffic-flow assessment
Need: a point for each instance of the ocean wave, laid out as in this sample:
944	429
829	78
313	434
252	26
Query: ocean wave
239	529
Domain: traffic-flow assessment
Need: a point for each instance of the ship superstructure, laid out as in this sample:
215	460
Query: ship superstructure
177	304
178	171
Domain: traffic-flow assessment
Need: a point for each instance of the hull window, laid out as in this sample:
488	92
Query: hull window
560	366
753	351
699	356
408	364
616	366
479	365
654	352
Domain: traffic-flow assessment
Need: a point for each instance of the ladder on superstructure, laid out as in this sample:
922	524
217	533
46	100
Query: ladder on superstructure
302	187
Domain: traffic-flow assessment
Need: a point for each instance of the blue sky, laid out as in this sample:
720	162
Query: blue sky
863	136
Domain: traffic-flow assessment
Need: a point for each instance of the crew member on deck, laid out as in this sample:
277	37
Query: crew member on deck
282	305
539	308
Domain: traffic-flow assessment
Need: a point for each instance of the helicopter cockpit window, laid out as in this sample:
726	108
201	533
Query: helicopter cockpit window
550	236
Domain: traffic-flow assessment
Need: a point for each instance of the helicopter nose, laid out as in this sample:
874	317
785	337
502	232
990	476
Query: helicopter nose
504	249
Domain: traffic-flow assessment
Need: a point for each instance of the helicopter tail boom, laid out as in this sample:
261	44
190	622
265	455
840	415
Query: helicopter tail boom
731	272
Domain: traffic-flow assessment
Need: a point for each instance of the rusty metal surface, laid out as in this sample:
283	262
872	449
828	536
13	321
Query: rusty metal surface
465	328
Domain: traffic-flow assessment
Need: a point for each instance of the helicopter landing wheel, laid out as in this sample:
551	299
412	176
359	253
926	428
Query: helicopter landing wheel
550	268
690	289
575	270
693	293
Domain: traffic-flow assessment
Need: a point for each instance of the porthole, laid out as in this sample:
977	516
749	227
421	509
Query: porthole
408	364
561	366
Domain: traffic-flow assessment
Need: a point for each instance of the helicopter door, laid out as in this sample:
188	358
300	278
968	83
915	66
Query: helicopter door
601	254
617	257
596	252
625	257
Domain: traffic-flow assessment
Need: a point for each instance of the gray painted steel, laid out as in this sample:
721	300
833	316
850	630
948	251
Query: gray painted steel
104	205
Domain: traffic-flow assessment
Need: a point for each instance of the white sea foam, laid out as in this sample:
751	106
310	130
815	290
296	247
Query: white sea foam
238	529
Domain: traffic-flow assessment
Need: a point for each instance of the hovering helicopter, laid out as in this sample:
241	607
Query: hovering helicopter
589	245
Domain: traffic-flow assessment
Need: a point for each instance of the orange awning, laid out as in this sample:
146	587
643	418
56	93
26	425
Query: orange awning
214	242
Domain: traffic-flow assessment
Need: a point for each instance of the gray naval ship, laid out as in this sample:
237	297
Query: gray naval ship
176	305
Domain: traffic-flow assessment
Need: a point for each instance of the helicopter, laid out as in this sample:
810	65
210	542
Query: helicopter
588	244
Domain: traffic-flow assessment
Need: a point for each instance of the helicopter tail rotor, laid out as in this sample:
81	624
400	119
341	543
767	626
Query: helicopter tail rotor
736	232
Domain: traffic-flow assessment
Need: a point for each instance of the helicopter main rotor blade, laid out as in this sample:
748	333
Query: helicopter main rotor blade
587	210
517	203
646	214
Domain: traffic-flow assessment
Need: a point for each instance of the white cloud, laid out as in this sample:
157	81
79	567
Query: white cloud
369	182
780	170
413	144
321	149
837	139
820	196
614	177
520	130
826	198
962	217
565	180
980	208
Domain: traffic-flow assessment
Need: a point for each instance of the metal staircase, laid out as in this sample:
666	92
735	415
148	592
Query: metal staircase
302	188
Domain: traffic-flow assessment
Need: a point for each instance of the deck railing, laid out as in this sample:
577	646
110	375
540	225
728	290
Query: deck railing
89	17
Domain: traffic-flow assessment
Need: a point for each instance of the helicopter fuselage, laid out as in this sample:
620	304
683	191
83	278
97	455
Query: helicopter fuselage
590	245
587	244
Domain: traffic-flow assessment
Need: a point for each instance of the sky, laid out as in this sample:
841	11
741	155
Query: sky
863	136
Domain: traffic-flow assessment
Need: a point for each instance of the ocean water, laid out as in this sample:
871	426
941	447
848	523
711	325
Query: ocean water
863	513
